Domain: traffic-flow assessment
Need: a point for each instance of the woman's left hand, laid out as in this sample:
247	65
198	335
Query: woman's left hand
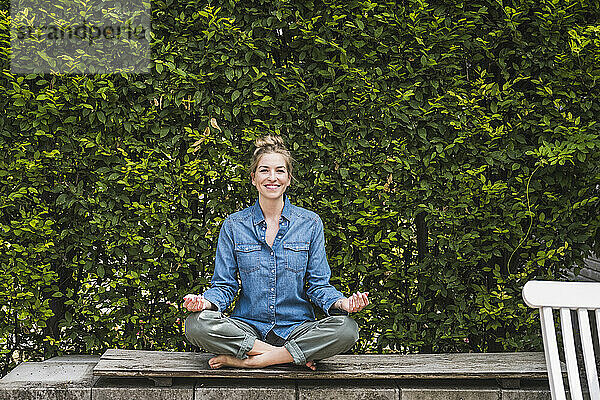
354	303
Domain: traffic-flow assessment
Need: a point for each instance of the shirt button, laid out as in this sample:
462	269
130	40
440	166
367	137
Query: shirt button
272	289
271	307
273	271
271	253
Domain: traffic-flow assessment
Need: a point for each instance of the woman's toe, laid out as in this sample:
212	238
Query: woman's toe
312	365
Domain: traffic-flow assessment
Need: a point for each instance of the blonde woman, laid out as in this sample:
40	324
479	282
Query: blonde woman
277	250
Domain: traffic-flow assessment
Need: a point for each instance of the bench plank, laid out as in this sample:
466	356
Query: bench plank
143	363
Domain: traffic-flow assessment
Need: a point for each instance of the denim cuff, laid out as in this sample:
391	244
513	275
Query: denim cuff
295	351
329	310
214	300
246	346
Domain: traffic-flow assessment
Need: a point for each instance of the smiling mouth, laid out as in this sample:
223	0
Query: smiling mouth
272	186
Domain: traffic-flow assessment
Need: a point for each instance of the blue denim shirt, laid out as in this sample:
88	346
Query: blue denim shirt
275	283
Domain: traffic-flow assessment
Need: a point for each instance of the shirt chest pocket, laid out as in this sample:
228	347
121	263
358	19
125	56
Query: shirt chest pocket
248	257
296	256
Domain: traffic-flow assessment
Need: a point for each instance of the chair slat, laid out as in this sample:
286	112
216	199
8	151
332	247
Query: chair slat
588	354
551	352
570	357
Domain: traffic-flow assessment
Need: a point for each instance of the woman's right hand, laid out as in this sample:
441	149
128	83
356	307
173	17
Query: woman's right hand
354	303
194	303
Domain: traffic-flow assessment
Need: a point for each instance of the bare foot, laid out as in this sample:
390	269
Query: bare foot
277	356
226	361
312	365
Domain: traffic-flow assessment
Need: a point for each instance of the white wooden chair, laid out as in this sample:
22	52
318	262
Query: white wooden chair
566	296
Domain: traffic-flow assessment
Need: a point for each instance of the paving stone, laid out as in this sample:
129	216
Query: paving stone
449	390
348	390
60	379
526	394
44	393
530	390
142	389
245	389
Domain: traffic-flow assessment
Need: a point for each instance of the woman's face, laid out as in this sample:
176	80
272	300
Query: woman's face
271	177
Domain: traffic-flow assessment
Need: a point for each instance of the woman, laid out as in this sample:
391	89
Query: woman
278	252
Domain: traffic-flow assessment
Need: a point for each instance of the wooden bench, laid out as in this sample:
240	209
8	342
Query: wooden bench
161	367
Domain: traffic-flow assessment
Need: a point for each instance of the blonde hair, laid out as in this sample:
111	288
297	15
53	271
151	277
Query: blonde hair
270	144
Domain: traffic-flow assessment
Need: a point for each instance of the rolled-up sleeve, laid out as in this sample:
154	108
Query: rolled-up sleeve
318	272
224	284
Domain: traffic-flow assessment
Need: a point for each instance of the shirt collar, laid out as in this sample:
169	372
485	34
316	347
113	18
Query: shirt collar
257	214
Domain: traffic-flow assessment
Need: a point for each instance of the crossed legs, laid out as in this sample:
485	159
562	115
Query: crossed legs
237	345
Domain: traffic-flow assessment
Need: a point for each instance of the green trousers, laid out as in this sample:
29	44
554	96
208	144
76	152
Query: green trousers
310	341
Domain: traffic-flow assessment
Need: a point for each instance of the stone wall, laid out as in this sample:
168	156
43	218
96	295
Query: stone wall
71	378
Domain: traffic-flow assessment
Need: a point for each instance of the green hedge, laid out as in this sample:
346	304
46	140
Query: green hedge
450	148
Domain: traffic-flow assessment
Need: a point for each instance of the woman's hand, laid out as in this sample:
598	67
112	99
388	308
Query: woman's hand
195	302
354	303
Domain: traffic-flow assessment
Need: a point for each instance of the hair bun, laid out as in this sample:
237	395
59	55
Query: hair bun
269	141
270	144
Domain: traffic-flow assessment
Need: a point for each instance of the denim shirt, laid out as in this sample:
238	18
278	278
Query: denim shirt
275	283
